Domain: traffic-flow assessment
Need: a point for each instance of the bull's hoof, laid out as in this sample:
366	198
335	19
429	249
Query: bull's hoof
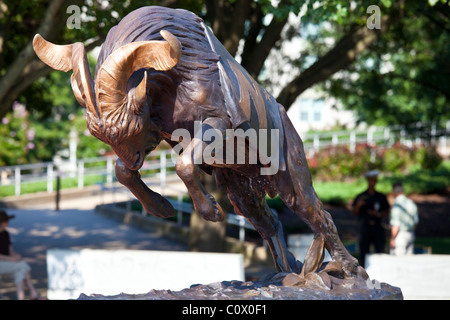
123	174
209	209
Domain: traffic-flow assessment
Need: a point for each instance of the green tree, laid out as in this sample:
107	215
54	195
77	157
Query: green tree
258	23
405	27
403	78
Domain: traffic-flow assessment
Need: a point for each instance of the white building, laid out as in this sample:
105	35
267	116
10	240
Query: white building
316	111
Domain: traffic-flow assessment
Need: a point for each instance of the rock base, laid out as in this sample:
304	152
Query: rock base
266	290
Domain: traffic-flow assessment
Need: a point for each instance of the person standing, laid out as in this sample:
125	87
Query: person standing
403	220
11	262
371	207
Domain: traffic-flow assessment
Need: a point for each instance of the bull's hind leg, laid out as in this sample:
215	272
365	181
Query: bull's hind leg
295	188
248	200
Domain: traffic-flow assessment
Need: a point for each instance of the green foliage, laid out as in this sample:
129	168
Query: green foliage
428	158
28	138
282	9
275	203
338	193
37	130
403	77
338	163
397	159
13	131
419	182
438	245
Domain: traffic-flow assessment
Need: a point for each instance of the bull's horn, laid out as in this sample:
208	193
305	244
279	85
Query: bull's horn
113	75
65	58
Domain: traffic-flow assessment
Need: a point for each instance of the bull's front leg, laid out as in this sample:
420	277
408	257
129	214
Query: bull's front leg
153	202
188	170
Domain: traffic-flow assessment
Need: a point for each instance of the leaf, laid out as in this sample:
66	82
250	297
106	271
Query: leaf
386	3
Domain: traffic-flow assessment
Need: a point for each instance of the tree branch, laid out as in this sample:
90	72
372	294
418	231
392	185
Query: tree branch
340	57
253	61
27	55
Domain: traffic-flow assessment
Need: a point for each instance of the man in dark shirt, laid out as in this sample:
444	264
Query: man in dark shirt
371	207
11	262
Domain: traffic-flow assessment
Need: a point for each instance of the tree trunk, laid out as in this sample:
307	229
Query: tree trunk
227	21
27	67
207	236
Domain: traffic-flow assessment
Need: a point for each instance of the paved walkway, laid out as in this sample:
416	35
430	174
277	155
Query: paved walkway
76	226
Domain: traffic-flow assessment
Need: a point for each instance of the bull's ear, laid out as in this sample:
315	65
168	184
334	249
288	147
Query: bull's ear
65	58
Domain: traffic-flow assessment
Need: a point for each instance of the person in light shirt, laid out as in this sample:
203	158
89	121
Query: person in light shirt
12	262
404	218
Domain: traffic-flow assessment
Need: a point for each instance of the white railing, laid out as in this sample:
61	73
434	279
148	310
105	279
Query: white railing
103	167
160	161
100	167
416	134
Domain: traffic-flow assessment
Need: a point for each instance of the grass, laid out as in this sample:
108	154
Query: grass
417	181
40	186
438	245
339	193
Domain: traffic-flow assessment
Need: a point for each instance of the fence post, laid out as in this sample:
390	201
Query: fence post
17	181
109	171
162	170
402	137
387	136
316	142
242	229
418	132
50	178
334	139
352	142
433	133
180	209
80	174
58	191
369	136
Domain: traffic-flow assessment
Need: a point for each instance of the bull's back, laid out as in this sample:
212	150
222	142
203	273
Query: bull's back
145	24
249	105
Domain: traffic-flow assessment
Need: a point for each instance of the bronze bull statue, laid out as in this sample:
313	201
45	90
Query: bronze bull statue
163	69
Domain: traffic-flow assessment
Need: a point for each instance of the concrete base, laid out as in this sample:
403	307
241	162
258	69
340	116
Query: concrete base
71	272
420	276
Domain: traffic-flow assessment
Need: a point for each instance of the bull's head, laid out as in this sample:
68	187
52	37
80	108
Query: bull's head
118	110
